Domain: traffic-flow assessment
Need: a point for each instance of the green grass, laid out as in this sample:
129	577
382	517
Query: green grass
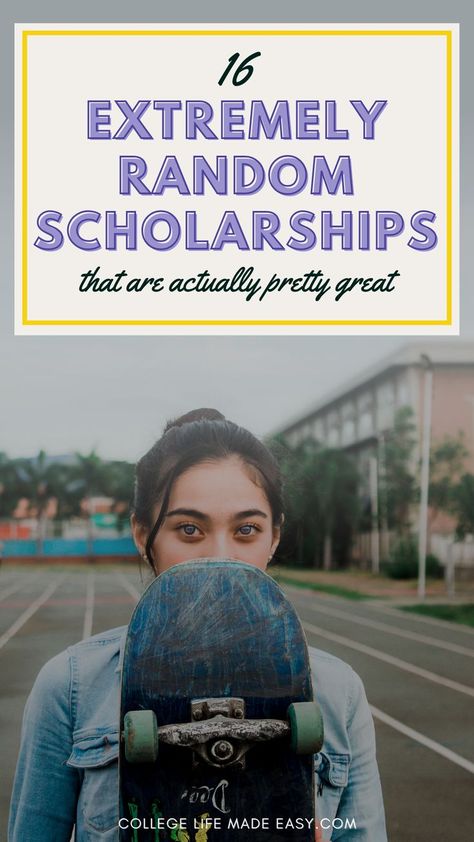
335	590
463	613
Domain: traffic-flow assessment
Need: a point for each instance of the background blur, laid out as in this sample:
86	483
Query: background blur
352	463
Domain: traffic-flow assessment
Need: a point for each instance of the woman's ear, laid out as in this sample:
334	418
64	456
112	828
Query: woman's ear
139	534
276	536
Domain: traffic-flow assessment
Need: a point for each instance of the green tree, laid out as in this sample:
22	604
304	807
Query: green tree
301	538
38	479
446	467
337	489
462	506
119	485
10	486
90	472
88	479
398	484
321	503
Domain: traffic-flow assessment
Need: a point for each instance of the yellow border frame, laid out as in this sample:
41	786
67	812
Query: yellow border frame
264	32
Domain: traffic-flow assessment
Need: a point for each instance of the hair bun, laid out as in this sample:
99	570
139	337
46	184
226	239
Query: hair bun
202	414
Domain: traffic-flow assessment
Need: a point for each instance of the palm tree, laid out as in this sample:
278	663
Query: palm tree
39	480
10	486
119	481
88	479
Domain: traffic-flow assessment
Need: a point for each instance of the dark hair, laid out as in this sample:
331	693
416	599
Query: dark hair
198	436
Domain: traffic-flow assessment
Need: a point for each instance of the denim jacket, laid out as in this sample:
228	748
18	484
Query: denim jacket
67	770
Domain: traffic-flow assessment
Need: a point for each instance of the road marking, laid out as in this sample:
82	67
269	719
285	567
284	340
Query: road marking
89	612
14	588
447	625
23	618
374	624
128	586
390	659
424	741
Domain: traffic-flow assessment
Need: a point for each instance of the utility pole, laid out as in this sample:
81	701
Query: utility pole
425	473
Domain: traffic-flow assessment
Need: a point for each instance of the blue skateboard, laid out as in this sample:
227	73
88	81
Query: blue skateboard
218	722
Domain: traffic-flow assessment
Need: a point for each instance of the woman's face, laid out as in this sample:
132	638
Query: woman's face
216	510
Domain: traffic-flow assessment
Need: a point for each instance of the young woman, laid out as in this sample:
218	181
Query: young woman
207	488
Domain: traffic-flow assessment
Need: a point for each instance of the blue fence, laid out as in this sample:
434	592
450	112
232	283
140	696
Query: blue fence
63	547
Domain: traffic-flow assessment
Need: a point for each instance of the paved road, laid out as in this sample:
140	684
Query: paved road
418	675
419	680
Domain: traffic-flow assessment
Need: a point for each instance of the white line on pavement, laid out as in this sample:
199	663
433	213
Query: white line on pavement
385	627
23	618
424	741
128	586
390	659
14	588
447	625
89	612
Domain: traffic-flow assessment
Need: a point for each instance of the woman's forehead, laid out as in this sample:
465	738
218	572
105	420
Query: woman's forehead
228	482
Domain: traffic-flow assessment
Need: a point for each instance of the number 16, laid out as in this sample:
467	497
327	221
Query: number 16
244	68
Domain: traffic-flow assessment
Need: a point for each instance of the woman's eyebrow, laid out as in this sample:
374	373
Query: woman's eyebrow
188	513
249	513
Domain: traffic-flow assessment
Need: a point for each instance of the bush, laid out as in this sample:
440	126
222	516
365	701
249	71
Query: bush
403	562
434	568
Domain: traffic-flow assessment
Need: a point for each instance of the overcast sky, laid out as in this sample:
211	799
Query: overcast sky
114	393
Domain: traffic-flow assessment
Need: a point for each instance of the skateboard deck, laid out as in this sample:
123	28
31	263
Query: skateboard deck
215	654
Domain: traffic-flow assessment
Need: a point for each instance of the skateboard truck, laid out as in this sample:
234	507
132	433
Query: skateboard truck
219	734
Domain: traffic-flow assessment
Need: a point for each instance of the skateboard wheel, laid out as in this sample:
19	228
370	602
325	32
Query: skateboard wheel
306	725
140	733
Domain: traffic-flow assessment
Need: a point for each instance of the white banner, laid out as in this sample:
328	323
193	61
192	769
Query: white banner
236	179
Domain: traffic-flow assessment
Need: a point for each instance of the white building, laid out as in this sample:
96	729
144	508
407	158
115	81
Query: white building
356	416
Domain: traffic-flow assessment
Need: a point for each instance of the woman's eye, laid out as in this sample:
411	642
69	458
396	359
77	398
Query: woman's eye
247	529
189	529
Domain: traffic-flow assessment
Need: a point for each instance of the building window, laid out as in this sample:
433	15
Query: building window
334	429
318	429
348	431
385	401
366	423
403	398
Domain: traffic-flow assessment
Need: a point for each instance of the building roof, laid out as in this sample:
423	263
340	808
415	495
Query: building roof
439	352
